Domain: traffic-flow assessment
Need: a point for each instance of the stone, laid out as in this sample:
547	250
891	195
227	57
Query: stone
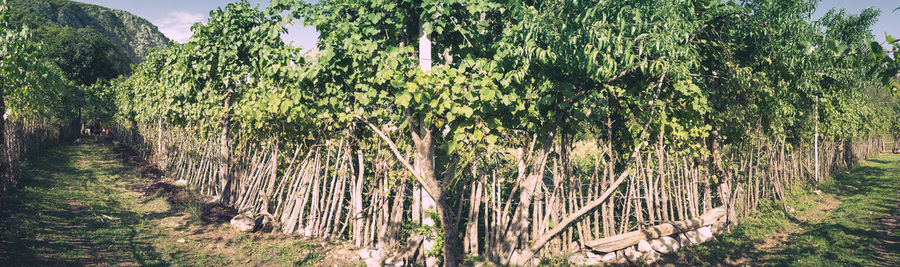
665	244
372	257
181	240
584	259
364	253
609	257
394	261
651	257
589	261
244	222
377	254
633	255
644	246
591	254
375	258
817	192
373	262
718	227
683	241
578	259
371	253
181	182
699	236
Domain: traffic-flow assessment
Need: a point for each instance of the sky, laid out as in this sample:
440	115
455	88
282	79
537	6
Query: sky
889	21
175	17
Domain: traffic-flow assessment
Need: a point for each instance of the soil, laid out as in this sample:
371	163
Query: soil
92	203
854	221
825	205
218	213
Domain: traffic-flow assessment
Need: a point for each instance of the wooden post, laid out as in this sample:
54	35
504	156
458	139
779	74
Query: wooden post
5	173
356	200
424	161
816	153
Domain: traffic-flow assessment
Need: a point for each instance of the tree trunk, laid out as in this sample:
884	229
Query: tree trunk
270	188
223	155
618	242
518	225
5	172
539	243
724	180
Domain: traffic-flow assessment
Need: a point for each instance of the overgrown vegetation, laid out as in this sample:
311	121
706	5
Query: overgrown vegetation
466	105
511	129
70	29
852	223
80	205
52	52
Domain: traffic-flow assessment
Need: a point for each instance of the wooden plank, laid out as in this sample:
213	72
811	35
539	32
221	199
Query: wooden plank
618	242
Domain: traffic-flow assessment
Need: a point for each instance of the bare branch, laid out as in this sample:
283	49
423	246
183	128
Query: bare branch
425	184
593	204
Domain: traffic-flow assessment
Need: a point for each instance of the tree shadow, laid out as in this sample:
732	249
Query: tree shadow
859	232
60	214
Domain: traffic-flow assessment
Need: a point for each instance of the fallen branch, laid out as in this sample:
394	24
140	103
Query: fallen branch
565	223
539	243
621	241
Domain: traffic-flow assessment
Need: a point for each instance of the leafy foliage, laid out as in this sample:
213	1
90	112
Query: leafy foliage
30	86
508	72
84	55
239	57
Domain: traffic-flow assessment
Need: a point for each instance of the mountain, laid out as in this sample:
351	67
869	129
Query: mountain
131	35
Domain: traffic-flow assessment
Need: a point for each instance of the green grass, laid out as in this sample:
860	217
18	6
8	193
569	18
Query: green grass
853	233
73	207
69	210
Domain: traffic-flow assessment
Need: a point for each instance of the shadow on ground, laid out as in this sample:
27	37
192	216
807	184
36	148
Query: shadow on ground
862	231
65	211
96	204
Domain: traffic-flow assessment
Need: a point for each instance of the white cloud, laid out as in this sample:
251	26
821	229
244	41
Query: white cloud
177	26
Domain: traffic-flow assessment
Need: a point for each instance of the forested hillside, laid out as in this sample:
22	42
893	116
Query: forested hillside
71	31
53	52
437	132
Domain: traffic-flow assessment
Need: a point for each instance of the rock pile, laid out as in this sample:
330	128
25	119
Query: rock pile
647	246
244	222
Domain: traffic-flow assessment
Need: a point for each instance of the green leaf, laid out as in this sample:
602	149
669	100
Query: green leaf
403	99
363	99
427	26
490	139
487	94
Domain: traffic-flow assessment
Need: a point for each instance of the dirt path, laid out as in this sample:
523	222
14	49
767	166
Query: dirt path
824	205
854	222
84	205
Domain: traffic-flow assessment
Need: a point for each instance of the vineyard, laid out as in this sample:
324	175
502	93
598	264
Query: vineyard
442	132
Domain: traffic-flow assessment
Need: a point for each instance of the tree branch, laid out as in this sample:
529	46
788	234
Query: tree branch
425	184
590	206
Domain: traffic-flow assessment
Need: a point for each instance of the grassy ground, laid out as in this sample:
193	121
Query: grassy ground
77	205
854	222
